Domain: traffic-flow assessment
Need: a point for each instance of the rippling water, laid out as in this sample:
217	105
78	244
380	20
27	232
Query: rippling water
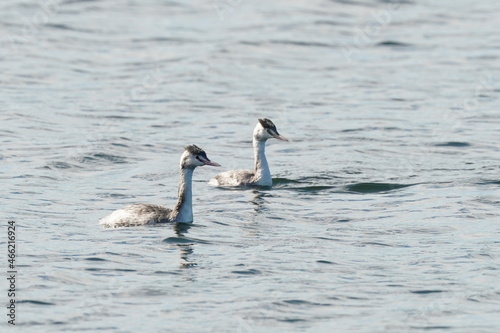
384	213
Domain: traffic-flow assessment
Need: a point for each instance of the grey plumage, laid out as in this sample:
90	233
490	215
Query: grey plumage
235	178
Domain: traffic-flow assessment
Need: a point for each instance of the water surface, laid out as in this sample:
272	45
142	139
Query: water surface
384	213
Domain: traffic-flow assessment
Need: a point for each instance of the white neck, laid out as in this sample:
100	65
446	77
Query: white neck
183	211
262	172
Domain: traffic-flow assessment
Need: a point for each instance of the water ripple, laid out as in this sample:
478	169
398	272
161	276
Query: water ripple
375	187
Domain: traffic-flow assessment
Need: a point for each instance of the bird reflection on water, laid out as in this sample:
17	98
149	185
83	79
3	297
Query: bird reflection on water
259	200
184	244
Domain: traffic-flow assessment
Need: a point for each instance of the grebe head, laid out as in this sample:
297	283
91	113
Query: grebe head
266	129
194	157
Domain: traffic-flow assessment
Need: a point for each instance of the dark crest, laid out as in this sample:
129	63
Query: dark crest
195	150
268	124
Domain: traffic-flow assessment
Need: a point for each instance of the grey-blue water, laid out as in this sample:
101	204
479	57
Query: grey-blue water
384	216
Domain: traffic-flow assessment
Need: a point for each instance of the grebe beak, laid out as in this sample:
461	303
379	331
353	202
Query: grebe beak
280	137
212	163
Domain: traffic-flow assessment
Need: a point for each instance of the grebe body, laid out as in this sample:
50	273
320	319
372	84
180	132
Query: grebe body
147	214
261	174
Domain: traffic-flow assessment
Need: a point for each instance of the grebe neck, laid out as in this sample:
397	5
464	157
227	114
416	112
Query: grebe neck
183	211
262	172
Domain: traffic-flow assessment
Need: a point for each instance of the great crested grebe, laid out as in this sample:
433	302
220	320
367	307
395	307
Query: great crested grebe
261	175
142	214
